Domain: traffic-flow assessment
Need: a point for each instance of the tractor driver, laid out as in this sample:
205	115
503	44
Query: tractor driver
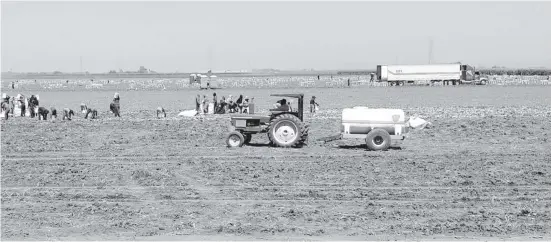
283	106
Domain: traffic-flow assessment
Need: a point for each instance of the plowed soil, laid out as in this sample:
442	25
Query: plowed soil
482	171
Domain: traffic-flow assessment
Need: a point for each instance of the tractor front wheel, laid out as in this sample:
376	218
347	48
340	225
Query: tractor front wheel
285	130
235	139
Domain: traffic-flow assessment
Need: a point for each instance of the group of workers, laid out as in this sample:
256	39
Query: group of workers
203	106
224	105
31	105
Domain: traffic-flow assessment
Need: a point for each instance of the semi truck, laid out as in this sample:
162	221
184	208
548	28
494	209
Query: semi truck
455	74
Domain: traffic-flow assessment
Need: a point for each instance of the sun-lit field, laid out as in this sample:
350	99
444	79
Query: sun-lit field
482	170
258	82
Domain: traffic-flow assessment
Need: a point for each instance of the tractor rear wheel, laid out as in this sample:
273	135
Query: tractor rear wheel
235	139
378	139
285	130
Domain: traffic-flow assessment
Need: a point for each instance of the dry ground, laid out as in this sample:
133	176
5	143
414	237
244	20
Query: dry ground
483	171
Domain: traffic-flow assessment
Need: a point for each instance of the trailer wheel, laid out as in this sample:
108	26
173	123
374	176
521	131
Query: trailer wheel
235	139
378	139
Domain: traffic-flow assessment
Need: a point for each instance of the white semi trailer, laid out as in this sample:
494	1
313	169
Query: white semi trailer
455	74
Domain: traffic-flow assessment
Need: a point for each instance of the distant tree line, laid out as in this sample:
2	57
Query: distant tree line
520	72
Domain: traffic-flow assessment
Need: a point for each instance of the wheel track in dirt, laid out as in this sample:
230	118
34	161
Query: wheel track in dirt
239	158
234	200
312	187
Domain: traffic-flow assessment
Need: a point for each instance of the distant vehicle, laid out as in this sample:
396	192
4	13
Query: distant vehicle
399	75
205	82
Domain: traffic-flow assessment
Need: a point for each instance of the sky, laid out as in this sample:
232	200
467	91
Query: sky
197	36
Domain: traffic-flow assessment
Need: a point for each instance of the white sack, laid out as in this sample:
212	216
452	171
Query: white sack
188	113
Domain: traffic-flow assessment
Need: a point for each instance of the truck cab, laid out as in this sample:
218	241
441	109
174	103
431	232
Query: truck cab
469	75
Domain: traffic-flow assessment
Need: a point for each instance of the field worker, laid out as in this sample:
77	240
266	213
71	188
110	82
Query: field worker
372	77
22	105
348	82
33	103
239	103
232	107
115	106
12	105
92	112
43	113
161	111
53	113
313	104
67	113
222	106
215	100
245	105
198	103
5	105
205	104
83	108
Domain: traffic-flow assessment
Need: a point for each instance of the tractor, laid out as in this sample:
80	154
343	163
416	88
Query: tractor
285	128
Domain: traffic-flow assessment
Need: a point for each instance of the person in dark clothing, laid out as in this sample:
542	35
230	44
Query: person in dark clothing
53	113
221	106
215	101
12	85
348	82
5	105
22	105
239	103
313	104
115	106
284	106
33	103
43	113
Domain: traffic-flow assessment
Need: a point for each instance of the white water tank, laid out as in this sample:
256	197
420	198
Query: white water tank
361	120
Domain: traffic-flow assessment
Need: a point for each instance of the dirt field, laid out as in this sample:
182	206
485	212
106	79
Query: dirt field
483	171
